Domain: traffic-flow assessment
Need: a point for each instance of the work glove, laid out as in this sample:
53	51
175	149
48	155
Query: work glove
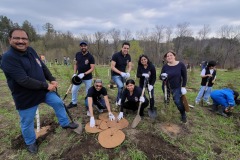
111	116
74	75
164	76
120	116
183	90
145	75
123	74
92	122
127	75
142	99
119	102
150	87
81	75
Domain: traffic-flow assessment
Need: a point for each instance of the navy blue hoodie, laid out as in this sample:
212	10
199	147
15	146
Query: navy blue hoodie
26	77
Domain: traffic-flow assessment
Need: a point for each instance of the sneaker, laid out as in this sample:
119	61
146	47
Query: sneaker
98	109
196	103
184	119
88	113
208	103
71	105
32	148
71	126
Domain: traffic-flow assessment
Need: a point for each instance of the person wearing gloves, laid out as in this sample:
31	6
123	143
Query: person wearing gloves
175	74
119	62
27	78
208	75
224	100
133	95
83	68
97	95
147	70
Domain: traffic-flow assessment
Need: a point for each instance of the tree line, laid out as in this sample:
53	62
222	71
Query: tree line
223	47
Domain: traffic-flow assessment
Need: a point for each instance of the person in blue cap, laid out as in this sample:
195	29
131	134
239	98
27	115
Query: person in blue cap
83	68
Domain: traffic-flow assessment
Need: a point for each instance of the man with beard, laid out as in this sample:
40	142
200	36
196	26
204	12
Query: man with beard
27	78
83	67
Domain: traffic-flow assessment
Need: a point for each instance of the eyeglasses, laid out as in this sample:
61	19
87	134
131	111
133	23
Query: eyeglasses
99	86
18	38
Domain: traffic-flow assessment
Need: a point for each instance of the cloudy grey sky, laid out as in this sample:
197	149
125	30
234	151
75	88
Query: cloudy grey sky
78	16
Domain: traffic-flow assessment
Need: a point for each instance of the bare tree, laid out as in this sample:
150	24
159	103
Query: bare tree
115	36
99	45
182	33
127	34
169	32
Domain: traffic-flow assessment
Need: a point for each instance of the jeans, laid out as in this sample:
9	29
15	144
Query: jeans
177	100
206	94
27	117
120	83
100	103
76	88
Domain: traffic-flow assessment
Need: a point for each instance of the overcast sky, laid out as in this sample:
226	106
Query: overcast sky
78	16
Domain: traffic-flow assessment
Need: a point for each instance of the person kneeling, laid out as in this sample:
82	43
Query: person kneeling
133	94
94	97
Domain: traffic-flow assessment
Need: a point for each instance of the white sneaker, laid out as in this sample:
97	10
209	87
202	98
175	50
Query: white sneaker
88	113
196	103
209	103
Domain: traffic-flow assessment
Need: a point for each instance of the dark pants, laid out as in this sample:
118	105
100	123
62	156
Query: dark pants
134	106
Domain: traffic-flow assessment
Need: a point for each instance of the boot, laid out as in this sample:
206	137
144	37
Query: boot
220	112
214	108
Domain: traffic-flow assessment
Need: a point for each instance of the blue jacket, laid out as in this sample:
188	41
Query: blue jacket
223	97
26	77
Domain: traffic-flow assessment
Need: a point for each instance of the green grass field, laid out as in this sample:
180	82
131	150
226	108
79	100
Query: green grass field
205	136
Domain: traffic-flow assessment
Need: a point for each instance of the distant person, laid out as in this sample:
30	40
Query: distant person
203	64
146	70
83	68
208	76
133	96
43	58
68	61
97	96
224	100
175	73
27	79
119	62
65	60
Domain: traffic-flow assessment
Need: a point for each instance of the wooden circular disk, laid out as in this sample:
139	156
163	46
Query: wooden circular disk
94	129
111	138
123	123
103	125
104	116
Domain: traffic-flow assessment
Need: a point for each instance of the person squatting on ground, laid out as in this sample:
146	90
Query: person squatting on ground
208	75
146	70
175	73
97	95
83	68
223	100
133	95
119	62
26	77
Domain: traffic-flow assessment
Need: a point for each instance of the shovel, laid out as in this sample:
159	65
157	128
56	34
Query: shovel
79	129
152	112
165	97
138	118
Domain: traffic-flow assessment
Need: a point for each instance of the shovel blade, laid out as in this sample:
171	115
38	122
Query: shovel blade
79	129
152	112
136	120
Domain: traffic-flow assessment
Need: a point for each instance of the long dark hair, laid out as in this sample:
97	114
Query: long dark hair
145	56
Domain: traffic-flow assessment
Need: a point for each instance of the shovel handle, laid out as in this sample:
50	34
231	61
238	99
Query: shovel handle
38	120
149	92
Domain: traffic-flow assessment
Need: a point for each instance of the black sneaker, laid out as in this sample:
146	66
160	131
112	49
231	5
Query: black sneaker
71	126
184	119
71	105
32	148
